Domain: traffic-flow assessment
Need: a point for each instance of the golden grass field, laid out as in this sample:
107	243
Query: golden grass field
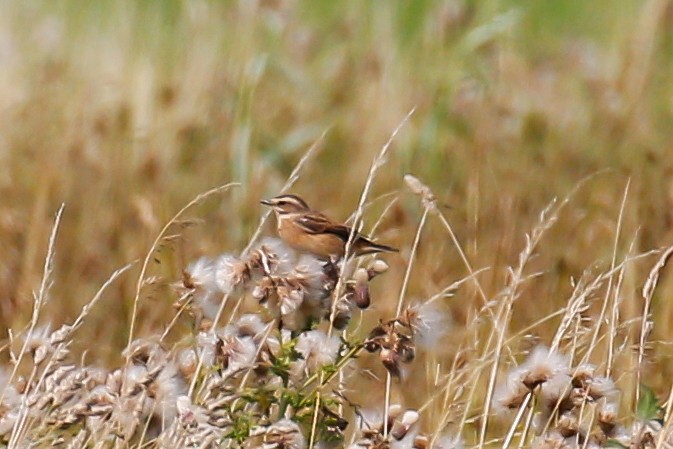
125	111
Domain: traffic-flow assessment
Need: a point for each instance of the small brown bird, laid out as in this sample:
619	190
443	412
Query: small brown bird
309	231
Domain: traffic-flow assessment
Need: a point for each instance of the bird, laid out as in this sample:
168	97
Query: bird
310	231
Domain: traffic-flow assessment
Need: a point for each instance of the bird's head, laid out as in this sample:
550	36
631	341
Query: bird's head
286	204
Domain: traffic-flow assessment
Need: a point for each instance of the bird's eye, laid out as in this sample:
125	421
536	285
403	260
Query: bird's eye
282	203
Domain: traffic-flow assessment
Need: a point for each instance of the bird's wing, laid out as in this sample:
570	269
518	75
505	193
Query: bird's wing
316	223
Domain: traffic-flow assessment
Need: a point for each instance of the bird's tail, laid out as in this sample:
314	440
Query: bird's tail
366	246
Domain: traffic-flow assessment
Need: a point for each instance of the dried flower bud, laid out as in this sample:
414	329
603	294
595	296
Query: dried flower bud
391	361
39	354
607	418
361	289
205	325
421	442
401	426
114	381
395	411
399	430
187	362
184	408
568	425
361	277
407	353
263	290
583	375
284	434
21	384
342	315
258	293
371	346
532	379
60	335
603	387
378	267
410	417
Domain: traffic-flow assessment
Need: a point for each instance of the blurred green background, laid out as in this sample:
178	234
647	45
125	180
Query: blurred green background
126	110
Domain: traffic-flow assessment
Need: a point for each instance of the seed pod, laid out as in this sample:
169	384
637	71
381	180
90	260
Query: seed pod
395	411
21	384
40	354
361	277
362	297
378	267
407	353
568	425
401	427
399	430
421	442
372	345
205	325
187	361
391	361
410	417
361	289
342	315
607	418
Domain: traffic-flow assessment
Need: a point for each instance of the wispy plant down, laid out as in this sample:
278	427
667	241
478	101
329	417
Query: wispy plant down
446	129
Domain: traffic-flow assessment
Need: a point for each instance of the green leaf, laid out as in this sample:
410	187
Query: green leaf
647	409
615	444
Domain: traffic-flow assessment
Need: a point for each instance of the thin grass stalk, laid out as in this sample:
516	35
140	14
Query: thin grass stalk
475	373
186	302
40	300
647	294
141	277
463	256
614	317
606	300
502	322
419	188
412	257
529	423
377	163
398	310
578	303
69	330
291	180
378	222
19	429
41	297
592	419
386	403
519	414
668	417
546	220
99	294
446	390
314	419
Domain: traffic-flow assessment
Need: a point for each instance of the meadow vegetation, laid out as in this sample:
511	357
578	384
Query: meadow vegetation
518	154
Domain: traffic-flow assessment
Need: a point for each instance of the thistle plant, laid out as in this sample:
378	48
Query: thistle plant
275	374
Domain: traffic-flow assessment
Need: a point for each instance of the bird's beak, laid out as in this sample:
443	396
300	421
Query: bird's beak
267	202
